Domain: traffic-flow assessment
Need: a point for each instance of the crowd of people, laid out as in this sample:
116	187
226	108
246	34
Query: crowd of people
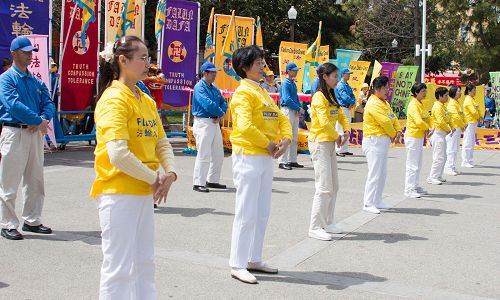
132	147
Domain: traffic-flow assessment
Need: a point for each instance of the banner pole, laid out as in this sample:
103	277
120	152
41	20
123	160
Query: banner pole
143	13
198	39
61	35
99	47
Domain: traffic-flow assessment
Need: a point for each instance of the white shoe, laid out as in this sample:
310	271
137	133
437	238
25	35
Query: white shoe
371	209
261	267
467	165
413	194
421	191
333	229
320	234
383	205
451	172
442	179
243	275
433	181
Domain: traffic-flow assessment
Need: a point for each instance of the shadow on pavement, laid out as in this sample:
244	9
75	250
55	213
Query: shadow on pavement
388	238
350	170
479	174
355	162
453	196
468	183
337	280
190	212
3	285
228	190
88	237
421	211
275	191
302	179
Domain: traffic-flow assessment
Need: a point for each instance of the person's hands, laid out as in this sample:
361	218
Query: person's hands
32	128
481	119
156	185
272	148
345	137
44	127
282	146
397	138
216	120
165	182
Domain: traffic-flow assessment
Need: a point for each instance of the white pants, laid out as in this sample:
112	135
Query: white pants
326	181
452	145
253	179
210	151
414	149
468	144
375	149
290	155
22	158
127	226
438	141
340	130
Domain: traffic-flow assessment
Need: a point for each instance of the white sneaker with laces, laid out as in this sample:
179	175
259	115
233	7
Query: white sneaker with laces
243	275
413	194
261	267
320	234
451	172
333	229
433	181
467	165
383	205
371	209
442	179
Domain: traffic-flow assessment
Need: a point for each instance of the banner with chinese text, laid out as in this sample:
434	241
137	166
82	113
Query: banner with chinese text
180	51
296	53
79	64
21	17
40	60
114	10
405	79
389	70
245	32
359	70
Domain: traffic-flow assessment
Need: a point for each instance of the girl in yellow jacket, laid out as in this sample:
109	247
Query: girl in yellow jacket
380	128
440	121
325	112
458	126
261	132
472	117
417	127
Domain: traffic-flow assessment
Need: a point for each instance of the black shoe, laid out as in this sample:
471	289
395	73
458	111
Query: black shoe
155	206
340	154
347	153
37	229
295	165
216	185
285	166
200	188
11	234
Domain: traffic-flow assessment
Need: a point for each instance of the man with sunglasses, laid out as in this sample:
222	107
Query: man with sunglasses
25	111
208	108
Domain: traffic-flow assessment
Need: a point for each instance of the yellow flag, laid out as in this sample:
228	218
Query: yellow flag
229	46
313	53
127	18
88	16
209	53
161	8
377	68
259	42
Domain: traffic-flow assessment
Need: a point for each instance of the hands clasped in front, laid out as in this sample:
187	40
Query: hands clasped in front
44	127
276	150
162	186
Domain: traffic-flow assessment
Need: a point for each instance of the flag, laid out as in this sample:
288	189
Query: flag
88	15
259	42
209	41
377	67
160	18
127	18
230	45
313	53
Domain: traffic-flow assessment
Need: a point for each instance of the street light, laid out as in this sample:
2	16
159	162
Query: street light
394	43
292	17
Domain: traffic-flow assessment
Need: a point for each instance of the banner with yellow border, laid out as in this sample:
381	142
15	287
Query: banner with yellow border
292	52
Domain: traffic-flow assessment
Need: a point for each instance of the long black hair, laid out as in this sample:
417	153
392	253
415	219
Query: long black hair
468	88
110	71
326	69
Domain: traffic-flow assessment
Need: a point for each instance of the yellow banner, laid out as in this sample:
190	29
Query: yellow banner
324	54
245	32
293	52
377	68
430	98
114	9
359	70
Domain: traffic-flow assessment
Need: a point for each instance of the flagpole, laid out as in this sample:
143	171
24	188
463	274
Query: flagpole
198	39
143	14
99	12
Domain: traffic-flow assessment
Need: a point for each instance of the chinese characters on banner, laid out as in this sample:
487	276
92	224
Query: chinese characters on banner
114	9
389	70
292	52
404	80
324	54
179	51
359	70
40	60
21	17
245	32
79	64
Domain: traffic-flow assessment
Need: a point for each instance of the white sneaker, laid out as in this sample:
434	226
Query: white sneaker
320	234
371	209
433	181
413	194
451	172
243	275
333	229
383	205
261	267
421	191
442	179
467	165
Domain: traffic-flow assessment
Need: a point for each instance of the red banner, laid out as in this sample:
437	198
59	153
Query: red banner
79	64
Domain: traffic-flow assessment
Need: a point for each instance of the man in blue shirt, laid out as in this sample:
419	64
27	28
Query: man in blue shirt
25	111
290	106
489	103
208	108
347	100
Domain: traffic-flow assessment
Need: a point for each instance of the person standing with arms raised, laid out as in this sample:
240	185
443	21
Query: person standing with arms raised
380	128
458	126
25	111
208	108
347	100
472	118
290	106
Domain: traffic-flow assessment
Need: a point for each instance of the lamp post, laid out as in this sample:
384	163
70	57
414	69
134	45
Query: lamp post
425	49
292	17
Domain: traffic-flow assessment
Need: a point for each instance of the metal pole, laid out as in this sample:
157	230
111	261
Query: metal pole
424	46
292	28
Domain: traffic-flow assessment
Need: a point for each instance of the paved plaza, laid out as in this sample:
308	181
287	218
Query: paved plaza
444	246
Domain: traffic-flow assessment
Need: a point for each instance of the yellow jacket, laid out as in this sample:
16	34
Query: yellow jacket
471	110
457	118
418	120
257	120
440	118
379	119
324	116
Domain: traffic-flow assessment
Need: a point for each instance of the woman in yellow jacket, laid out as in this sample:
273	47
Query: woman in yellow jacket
325	111
380	128
458	126
131	146
417	127
472	117
258	125
440	121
